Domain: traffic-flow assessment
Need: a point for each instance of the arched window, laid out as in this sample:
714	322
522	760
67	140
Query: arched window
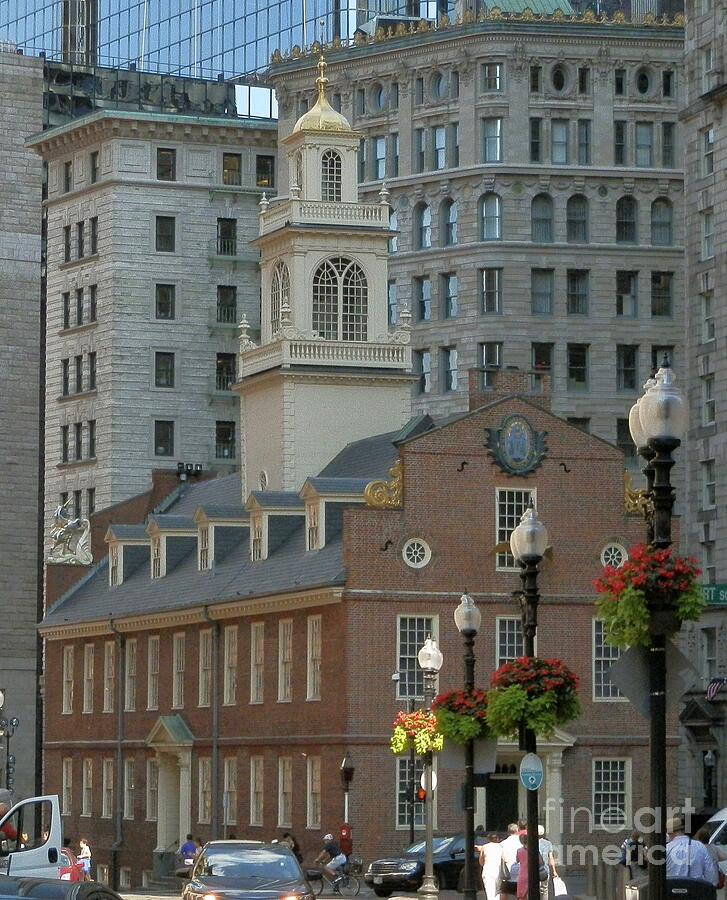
576	214
541	219
422	227
626	220
340	300
394	227
331	177
661	223
448	222
279	293
491	217
299	169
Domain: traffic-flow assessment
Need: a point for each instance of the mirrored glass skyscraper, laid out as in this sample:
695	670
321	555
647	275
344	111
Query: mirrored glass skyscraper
198	38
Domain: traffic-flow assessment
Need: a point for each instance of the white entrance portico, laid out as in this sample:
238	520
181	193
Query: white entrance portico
172	741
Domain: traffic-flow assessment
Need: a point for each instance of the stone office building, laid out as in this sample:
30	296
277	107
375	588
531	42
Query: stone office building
149	273
534	165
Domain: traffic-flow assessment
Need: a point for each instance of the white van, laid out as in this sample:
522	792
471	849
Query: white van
22	854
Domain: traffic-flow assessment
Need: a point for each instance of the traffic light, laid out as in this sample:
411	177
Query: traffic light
420	795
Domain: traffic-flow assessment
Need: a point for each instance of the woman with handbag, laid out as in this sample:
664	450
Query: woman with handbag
522	875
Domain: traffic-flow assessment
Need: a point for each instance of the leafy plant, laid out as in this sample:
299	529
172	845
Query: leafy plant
650	580
462	715
416	729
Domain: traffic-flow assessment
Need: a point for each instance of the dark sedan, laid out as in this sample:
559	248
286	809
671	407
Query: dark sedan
405	872
246	870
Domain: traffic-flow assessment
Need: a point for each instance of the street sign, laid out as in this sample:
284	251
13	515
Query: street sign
531	772
630	674
434	781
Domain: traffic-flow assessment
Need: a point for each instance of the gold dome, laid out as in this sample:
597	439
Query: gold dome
322	116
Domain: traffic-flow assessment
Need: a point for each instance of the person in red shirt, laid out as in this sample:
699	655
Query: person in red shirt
7	828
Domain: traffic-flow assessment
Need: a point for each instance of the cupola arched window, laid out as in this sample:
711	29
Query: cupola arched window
279	292
626	216
448	224
541	219
576	213
299	169
422	227
331	176
340	300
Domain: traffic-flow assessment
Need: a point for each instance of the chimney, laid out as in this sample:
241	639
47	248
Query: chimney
490	383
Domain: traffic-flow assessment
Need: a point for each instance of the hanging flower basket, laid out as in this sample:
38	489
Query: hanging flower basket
653	592
533	693
416	729
461	715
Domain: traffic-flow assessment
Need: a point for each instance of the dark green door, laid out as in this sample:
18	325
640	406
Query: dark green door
501	803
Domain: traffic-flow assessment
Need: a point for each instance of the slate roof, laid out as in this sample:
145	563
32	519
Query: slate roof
339	485
220	511
174	523
368	458
277	499
216	491
129	532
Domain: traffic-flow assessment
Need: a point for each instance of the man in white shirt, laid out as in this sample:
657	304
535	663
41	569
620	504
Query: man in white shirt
686	858
511	845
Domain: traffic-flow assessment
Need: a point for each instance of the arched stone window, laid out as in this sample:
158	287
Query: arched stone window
576	215
626	213
491	217
448	222
299	169
661	223
331	176
422	227
340	300
541	219
279	293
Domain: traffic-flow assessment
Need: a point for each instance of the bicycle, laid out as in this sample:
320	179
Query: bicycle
347	885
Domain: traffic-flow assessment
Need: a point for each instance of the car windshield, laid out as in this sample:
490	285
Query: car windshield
261	863
712	827
438	845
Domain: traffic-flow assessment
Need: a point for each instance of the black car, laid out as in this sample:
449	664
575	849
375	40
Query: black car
246	870
405	872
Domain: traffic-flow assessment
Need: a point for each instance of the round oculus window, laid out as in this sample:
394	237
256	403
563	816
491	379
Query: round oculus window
439	86
643	82
558	78
416	553
614	555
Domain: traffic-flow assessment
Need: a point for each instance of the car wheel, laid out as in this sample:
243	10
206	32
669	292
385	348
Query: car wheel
383	892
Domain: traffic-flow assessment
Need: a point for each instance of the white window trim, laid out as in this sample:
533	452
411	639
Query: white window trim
257	767
67	687
499	619
152	659
88	678
229	666
204	774
285	648
257	633
109	676
150	765
229	787
310	822
534	498
67	786
594	698
611	829
130	681
87	786
434	635
285	772
178	675
107	787
422	826
314	635
204	680
129	789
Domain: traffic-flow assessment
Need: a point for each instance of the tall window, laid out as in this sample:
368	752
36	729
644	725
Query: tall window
108	676
577	363
492	76
152	672
626	210
129	788
422	227
619	143
661	293
256	789
439	147
626	367
264	171
313	792
405	779
644	144
422	363
450	296
232	168
454	144
67	786
542	361
707	248
229	664
541	291
511	504
107	788
130	675
576	213
331	176
412	632
88	678
163	369
285	792
164	234
166	164
227	237
627	294
611	801
509	639
229	791
604	656
285	660
164	301
67	176
204	804
163	437
491	218
420	149
152	790
448	225
584	142
379	157
340	300
492	140
87	787
66	243
709	484
490	356
392	302
313	659
577	292
625	442
449	370
661	223
204	683
394	228
257	661
667	145
708	151
80	242
559	142
491	290
541	219
708	653
536	142
708	400
178	655
67	679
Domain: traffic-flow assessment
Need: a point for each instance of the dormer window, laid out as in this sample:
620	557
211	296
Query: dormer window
156	557
312	541
279	294
256	539
204	549
340	300
331	177
114	565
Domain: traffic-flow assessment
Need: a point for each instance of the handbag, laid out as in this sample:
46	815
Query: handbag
543	872
559	887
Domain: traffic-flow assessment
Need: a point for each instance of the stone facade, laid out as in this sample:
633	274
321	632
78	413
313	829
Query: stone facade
21	102
475	95
142	319
705	139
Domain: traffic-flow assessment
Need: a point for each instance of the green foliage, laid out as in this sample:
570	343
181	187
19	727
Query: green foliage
626	619
508	707
690	605
459	728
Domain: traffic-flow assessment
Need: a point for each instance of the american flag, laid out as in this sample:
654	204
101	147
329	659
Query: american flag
715	686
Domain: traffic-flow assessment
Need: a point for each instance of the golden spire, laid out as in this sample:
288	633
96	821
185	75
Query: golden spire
322	116
321	81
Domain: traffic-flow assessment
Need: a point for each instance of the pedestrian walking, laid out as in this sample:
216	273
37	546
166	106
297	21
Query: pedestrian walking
548	860
687	859
491	862
84	857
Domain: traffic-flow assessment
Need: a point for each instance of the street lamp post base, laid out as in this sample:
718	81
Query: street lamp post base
429	889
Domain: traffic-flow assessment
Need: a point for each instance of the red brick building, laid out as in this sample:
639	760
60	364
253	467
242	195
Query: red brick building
210	674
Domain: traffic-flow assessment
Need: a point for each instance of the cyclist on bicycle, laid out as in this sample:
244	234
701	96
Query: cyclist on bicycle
335	859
